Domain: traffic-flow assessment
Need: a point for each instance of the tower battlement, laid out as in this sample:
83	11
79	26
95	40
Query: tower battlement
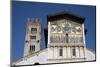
33	36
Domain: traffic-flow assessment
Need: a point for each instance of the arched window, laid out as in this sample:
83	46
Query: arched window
33	37
33	30
26	41
66	38
74	52
60	52
32	48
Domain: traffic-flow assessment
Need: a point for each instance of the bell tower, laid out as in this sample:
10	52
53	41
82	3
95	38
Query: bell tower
33	36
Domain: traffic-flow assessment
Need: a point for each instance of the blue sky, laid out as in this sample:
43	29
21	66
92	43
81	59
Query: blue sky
23	10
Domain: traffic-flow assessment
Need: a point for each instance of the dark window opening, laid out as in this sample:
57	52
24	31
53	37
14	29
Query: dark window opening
32	37
32	48
66	38
26	41
33	30
60	52
38	41
74	52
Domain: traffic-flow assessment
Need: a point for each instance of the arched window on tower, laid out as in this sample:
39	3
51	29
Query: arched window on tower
33	30
32	48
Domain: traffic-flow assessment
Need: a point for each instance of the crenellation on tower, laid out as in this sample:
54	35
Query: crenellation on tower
33	37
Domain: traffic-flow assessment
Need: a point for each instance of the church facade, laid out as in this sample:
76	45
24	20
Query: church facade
65	41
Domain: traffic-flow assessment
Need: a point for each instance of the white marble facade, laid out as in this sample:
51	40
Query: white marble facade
73	42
